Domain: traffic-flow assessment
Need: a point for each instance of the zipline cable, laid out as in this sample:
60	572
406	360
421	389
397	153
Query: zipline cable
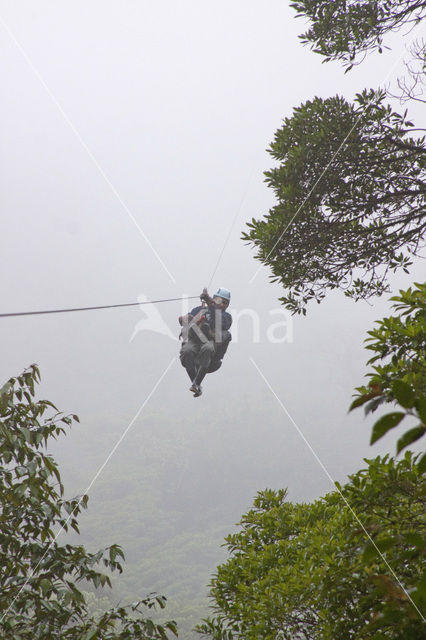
243	197
105	306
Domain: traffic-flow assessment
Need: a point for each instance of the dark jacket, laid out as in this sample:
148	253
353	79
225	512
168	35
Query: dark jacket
213	315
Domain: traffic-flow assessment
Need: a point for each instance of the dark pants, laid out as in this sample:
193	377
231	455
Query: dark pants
200	358
197	358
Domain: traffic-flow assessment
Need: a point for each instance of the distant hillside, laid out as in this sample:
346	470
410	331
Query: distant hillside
175	488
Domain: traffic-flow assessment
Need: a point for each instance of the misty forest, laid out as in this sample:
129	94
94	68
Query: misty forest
230	516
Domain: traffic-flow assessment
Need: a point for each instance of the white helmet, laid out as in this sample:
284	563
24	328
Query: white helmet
223	293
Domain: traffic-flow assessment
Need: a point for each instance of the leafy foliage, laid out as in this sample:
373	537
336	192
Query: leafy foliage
307	570
399	345
39	596
344	29
347	226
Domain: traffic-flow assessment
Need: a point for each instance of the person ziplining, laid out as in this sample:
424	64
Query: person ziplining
205	337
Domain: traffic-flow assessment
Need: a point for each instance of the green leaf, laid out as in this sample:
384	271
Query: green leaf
358	402
45	585
5	396
416	539
26	433
384	424
421	585
422	464
373	549
410	436
403	393
420	405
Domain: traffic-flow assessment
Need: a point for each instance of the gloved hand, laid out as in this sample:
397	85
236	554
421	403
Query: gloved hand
205	296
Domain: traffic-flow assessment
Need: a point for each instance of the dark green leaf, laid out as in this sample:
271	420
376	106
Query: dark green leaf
421	408
403	393
373	549
358	402
422	464
410	436
384	424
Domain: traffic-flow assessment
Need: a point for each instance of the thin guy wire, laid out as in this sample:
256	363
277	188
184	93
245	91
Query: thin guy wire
231	227
398	60
318	459
96	476
105	306
84	145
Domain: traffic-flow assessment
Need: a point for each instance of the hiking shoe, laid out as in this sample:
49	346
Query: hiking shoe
197	390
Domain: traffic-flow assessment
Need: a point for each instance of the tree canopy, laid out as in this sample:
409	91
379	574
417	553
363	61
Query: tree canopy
351	199
308	571
399	368
344	29
40	580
